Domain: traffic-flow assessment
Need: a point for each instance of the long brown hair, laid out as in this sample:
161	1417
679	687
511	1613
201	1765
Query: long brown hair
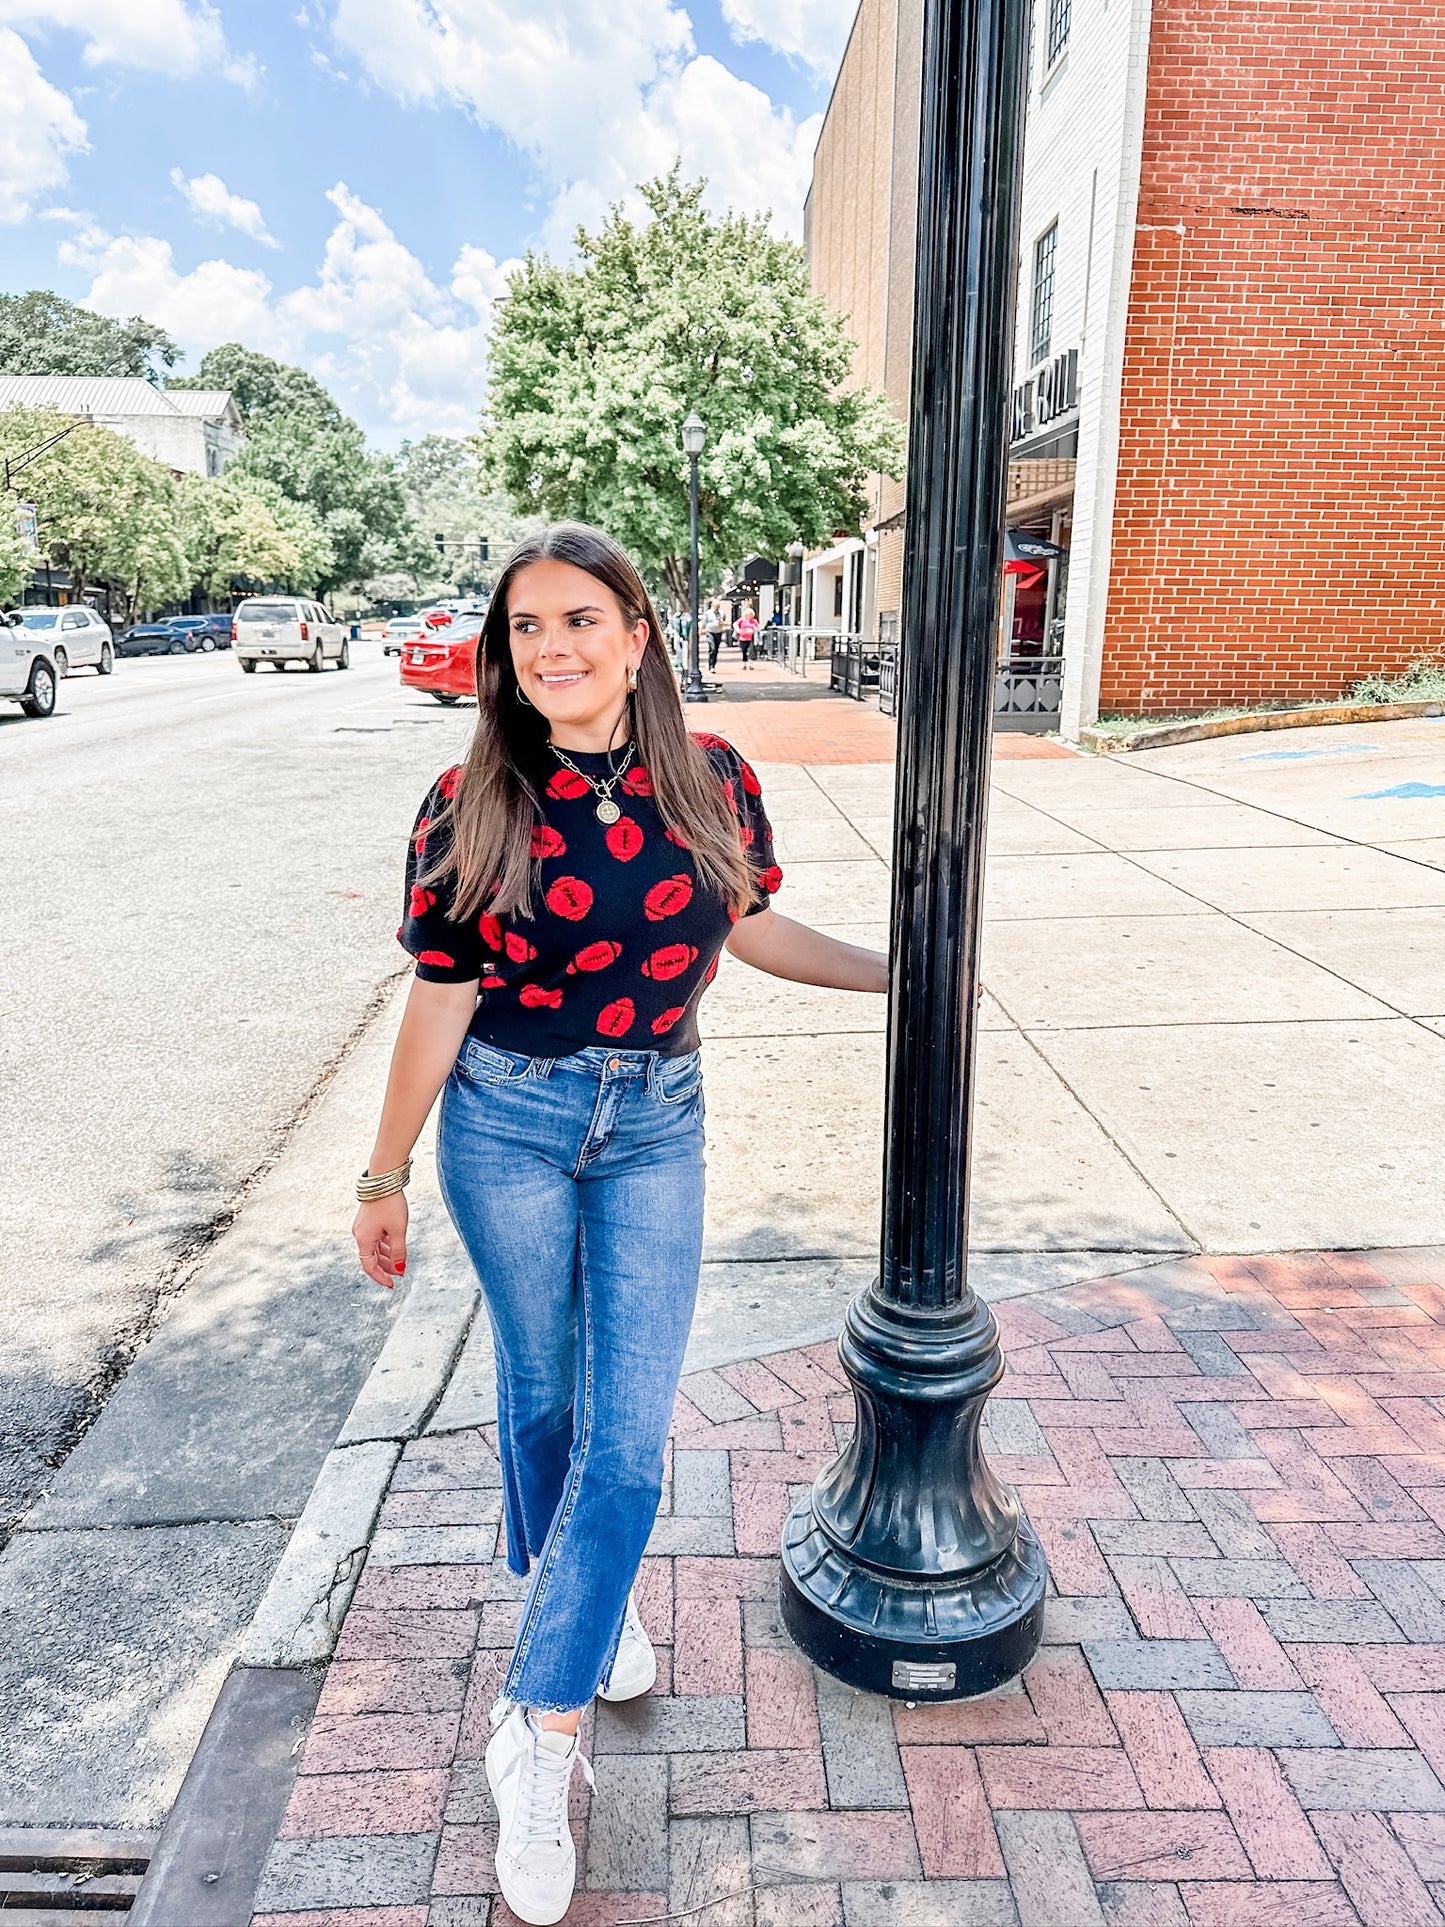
495	808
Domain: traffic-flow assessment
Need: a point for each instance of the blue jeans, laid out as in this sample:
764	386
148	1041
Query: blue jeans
576	1185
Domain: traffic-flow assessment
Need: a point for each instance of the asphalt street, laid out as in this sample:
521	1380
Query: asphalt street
202	878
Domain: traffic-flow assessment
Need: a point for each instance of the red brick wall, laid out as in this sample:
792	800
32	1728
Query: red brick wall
1278	529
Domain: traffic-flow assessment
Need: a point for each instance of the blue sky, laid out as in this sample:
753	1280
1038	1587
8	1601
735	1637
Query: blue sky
343	182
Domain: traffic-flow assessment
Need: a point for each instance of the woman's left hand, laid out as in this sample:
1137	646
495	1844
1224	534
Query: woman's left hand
791	950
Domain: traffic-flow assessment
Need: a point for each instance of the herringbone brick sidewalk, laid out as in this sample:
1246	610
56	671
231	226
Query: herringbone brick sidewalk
1238	1469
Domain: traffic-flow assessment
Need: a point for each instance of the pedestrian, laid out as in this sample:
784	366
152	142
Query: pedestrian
747	632
569	888
713	627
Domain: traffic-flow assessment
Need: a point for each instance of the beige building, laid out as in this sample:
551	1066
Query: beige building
859	225
191	431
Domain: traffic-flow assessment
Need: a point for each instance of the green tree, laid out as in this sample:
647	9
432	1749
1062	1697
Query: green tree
106	512
298	523
356	496
43	334
263	388
231	534
593	368
444	496
17	558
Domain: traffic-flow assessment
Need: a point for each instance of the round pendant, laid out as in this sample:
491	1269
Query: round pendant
607	811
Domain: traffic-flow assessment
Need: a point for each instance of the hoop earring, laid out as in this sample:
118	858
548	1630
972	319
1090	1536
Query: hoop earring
524	699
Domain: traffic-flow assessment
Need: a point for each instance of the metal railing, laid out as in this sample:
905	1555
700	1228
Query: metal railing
1028	693
855	666
795	649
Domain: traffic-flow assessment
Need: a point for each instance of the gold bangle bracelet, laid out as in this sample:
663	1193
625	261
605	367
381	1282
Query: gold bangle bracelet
369	1188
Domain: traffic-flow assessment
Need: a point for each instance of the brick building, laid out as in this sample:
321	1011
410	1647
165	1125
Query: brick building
1228	368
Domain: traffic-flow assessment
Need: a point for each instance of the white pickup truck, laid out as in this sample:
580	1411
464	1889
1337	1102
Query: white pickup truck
27	666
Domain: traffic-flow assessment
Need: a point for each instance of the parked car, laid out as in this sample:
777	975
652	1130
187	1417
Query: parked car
202	632
28	674
399	630
76	638
148	639
282	629
444	663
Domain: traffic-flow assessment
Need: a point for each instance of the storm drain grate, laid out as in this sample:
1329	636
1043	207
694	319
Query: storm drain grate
51	1875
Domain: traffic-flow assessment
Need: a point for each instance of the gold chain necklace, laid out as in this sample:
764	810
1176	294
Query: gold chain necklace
601	786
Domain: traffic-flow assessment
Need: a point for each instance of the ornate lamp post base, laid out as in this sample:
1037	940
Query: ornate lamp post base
905	1639
909	1570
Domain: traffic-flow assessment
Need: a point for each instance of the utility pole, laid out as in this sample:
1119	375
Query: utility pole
909	1569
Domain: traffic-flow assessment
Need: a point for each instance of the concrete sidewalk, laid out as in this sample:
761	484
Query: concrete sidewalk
1218	999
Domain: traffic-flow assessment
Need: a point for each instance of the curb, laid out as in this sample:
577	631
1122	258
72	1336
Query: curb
1169	735
212	1848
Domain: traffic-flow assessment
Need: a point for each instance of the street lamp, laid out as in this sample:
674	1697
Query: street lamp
909	1570
694	435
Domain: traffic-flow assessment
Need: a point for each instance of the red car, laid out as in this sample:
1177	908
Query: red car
444	663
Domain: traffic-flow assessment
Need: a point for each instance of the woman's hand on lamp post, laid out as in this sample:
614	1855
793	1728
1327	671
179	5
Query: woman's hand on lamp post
791	950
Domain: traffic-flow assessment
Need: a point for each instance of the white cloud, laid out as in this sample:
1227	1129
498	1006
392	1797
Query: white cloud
38	128
165	36
397	349
209	197
598	98
812	31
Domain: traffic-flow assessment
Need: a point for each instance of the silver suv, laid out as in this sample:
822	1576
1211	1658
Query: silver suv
281	629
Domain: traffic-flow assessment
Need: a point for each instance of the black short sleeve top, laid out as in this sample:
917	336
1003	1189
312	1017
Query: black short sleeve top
623	939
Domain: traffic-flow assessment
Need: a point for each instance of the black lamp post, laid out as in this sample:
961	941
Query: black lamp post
909	1570
694	435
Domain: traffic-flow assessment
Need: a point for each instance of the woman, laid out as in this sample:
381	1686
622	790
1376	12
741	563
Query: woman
747	631
569	888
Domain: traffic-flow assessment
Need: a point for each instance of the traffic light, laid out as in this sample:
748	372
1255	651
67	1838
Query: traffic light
484	549
441	543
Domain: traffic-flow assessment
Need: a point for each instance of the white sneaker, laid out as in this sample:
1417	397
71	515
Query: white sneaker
635	1670
530	1773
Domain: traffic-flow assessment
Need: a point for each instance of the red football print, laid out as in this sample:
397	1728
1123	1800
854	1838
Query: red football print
637	782
534	997
663	1024
730	793
594	956
448	780
419	845
750	780
491	931
665	899
437	957
771	878
421	901
624	839
711	971
745	835
566	786
546	841
617	1018
670	961
518	949
705	741
673	837
570	897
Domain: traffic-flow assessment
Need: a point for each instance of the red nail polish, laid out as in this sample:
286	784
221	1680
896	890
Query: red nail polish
399	1269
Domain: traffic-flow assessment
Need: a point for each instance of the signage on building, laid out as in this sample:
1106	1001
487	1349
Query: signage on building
1049	394
27	524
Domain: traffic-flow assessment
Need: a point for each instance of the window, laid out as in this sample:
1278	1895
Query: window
1058	35
1041	306
838	596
